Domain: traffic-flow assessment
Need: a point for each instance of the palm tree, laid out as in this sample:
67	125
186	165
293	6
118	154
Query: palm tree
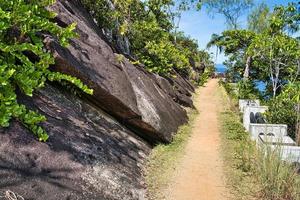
215	39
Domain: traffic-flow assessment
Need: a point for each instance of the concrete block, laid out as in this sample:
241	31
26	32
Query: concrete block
277	130
288	153
252	110
247	102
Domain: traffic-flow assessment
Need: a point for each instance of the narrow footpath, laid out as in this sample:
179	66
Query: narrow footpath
200	175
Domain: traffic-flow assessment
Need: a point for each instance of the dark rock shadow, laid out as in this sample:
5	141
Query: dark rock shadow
88	153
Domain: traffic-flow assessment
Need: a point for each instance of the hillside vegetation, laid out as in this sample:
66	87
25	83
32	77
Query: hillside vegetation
143	31
267	52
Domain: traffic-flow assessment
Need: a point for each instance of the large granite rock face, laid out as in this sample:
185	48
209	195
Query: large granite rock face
98	144
178	88
176	91
88	156
157	108
125	91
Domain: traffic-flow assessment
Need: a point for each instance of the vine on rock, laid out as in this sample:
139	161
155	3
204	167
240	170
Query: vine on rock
24	61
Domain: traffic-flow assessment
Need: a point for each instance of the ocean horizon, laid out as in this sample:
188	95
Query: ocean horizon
220	68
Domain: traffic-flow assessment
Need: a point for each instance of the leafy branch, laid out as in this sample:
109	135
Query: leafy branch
24	62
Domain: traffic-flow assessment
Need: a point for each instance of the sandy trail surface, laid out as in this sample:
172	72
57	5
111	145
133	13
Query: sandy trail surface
200	175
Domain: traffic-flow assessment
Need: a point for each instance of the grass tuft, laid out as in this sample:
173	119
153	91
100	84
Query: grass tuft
278	180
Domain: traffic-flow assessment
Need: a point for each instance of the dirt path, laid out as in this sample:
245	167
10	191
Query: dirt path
200	173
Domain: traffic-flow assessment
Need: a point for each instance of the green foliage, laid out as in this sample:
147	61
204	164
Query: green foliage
163	57
24	61
258	19
282	111
206	75
271	55
246	90
283	108
151	30
285	19
277	58
235	40
154	48
114	15
232	10
151	44
229	88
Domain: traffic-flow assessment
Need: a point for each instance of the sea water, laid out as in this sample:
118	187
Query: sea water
220	68
260	85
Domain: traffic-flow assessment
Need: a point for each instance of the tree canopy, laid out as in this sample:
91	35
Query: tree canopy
151	31
267	52
258	18
232	10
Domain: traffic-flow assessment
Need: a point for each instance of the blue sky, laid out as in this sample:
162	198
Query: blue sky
200	26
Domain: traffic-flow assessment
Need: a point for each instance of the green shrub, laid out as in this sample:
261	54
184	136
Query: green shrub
282	111
285	109
148	25
162	57
247	90
153	47
230	88
24	61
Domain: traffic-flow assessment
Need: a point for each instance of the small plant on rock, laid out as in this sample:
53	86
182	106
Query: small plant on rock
24	61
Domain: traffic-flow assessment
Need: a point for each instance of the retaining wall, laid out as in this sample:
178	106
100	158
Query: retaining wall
278	130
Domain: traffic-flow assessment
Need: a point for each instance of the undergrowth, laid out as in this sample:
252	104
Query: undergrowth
278	180
238	151
253	173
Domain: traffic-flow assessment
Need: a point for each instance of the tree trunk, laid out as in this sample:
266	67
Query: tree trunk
247	68
298	124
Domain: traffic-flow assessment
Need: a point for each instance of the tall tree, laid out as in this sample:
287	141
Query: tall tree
215	38
232	10
233	41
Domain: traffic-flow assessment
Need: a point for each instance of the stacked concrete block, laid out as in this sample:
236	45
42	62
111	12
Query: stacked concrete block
247	102
274	140
276	130
274	136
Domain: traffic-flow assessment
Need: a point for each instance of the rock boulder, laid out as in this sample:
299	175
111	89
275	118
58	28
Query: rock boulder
88	156
125	91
